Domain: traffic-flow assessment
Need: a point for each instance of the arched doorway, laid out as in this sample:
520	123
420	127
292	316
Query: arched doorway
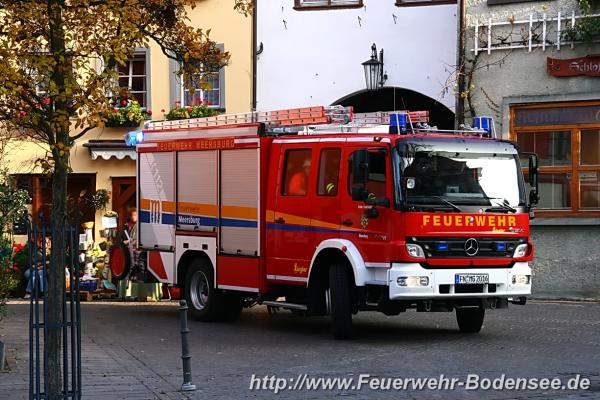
392	98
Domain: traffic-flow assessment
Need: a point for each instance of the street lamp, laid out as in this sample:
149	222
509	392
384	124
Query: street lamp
374	75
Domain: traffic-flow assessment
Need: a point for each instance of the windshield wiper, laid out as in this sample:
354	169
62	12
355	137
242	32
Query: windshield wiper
454	206
500	206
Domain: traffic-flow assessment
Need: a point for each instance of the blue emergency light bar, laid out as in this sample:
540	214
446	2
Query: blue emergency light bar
134	137
486	124
398	123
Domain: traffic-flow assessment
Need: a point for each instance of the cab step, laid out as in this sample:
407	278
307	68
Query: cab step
286	305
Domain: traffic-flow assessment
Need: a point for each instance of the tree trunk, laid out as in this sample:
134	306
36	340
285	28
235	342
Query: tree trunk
59	139
56	282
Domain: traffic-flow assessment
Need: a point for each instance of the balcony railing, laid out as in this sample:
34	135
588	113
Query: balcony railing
534	32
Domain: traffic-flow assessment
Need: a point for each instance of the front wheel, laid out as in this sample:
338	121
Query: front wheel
470	320
341	302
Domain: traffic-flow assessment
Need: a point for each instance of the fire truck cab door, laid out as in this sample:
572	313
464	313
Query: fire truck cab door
369	233
289	237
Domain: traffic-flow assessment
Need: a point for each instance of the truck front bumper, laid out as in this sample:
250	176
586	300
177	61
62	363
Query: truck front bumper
441	282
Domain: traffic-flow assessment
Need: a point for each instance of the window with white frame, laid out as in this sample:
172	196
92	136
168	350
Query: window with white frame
207	91
325	4
134	76
410	3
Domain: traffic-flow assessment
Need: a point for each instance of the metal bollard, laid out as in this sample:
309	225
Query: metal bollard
186	357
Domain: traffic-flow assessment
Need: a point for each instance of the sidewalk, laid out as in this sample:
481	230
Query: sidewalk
133	351
104	367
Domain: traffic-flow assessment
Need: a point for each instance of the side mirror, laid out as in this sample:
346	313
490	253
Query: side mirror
359	193
360	167
360	174
378	201
534	196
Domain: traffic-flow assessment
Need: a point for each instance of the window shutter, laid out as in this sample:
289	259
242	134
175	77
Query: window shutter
174	83
221	47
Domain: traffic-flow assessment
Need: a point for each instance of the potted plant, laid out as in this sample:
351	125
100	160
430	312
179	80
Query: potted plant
130	114
197	109
100	199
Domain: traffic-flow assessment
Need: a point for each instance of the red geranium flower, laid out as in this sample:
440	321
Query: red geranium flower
189	109
123	102
15	268
7	270
178	102
46	100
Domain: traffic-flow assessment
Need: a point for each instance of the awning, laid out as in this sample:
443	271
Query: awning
106	149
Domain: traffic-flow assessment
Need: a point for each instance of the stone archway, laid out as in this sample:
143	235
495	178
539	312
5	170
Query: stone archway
392	98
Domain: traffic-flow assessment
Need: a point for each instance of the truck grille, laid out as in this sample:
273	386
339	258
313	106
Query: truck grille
456	247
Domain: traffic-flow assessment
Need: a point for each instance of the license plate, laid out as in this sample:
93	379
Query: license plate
471	279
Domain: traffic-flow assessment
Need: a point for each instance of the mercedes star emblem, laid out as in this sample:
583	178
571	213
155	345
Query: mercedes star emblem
471	247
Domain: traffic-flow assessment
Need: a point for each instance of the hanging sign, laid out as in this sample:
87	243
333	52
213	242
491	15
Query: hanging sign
581	66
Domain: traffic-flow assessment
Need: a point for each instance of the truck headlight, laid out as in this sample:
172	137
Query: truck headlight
521	279
521	250
412	281
414	250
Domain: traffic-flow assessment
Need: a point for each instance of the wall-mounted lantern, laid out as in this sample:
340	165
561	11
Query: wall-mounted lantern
375	77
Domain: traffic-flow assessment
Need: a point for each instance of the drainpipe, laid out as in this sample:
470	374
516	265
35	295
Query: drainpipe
460	61
254	54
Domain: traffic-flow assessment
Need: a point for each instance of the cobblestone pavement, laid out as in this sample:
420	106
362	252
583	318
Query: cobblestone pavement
131	351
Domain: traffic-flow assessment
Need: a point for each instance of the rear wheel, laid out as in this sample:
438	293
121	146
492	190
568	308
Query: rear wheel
341	299
470	320
200	292
231	306
206	303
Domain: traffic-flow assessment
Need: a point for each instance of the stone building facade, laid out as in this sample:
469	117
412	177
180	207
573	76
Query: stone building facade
543	91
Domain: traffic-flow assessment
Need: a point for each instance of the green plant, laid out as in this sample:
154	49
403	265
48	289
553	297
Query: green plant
10	275
12	208
100	199
587	29
129	114
196	110
12	203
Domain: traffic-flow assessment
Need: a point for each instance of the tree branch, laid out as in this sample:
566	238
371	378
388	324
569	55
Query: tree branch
81	133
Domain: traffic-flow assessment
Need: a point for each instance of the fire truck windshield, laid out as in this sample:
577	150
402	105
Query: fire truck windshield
459	179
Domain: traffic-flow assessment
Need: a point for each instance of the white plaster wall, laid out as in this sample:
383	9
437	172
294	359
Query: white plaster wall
314	57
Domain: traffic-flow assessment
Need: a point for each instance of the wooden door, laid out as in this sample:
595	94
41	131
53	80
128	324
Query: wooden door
123	198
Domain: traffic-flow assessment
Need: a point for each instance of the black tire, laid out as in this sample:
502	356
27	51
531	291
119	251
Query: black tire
206	303
470	320
341	302
231	306
200	293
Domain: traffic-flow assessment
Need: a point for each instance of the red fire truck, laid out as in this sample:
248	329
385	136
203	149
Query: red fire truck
326	212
